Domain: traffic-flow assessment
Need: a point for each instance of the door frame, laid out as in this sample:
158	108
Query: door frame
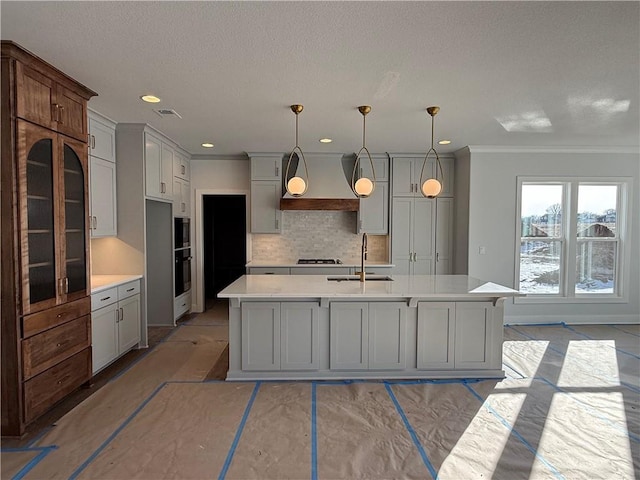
197	273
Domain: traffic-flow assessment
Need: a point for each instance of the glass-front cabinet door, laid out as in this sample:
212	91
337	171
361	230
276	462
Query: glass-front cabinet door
53	211
37	201
75	216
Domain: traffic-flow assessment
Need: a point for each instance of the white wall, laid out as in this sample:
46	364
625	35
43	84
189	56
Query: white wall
213	177
493	220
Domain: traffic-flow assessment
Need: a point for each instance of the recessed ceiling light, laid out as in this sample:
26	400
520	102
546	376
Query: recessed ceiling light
325	140
444	142
207	145
150	98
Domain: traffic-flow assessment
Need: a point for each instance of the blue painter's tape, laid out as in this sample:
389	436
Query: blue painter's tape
550	324
517	434
44	451
511	368
314	434
114	434
592	411
234	444
38	437
624	331
414	437
595	339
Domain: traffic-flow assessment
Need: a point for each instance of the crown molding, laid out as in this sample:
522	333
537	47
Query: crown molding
215	157
551	149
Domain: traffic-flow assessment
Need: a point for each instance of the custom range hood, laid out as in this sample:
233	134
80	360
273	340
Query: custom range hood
329	177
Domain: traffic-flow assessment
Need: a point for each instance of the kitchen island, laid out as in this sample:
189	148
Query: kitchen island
335	327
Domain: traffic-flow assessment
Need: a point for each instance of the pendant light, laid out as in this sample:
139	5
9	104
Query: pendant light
432	187
363	187
297	186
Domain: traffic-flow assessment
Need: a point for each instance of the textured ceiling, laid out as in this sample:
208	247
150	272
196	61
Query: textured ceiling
503	73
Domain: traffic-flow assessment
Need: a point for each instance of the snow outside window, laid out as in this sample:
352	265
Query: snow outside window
570	235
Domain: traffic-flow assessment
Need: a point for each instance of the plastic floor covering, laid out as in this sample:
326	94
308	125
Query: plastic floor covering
568	409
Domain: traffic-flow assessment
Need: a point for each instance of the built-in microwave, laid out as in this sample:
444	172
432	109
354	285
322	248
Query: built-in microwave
182	233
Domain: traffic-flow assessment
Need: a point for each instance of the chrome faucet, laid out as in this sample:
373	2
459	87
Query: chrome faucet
363	256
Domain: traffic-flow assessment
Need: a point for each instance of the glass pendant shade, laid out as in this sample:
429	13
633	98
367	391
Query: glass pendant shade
432	187
297	185
363	187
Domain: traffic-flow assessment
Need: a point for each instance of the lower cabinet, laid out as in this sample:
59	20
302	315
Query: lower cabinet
181	305
368	336
115	328
280	336
455	335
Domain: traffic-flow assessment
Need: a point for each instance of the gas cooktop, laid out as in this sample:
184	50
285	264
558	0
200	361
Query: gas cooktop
314	261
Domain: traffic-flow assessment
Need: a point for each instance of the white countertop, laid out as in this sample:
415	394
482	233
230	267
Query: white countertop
104	282
402	286
294	263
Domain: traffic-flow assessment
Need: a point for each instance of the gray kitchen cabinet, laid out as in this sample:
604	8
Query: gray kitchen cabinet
102	190
368	336
436	335
349	330
115	325
456	335
413	236
387	335
158	164
299	336
261	336
406	171
373	215
266	191
266	216
269	271
102	176
181	197
102	136
280	336
474	323
266	166
444	236
320	270
181	167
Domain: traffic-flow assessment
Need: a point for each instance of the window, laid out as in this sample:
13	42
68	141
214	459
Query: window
571	235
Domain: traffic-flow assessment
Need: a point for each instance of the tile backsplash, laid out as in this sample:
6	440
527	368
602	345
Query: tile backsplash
317	234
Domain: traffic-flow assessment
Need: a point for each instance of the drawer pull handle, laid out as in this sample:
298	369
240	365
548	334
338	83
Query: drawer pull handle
105	298
130	289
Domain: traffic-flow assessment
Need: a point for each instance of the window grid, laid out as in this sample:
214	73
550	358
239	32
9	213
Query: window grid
576	253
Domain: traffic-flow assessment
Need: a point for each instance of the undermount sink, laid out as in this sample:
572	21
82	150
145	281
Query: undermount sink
356	278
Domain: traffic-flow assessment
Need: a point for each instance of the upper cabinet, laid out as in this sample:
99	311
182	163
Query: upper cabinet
266	191
158	168
50	101
373	215
181	166
406	171
102	173
102	137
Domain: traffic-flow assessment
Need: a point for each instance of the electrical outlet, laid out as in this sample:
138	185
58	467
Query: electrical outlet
482	250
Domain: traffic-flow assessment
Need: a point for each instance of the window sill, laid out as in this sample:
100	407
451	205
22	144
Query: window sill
542	299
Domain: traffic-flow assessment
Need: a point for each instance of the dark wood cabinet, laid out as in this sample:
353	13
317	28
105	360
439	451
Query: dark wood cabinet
46	341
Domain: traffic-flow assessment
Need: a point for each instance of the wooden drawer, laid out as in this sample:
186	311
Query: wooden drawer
104	298
44	390
51	347
128	290
41	321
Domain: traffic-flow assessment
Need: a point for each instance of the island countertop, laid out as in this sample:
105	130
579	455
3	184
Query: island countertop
401	286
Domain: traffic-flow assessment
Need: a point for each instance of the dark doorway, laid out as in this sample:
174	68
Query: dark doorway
225	241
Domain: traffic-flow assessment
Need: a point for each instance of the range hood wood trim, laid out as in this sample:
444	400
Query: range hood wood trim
344	204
